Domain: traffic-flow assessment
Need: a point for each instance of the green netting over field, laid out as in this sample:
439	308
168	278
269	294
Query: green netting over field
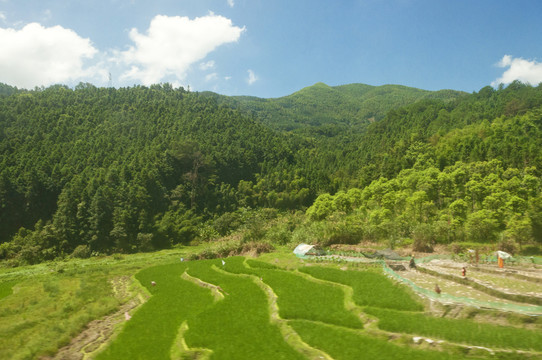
524	309
447	298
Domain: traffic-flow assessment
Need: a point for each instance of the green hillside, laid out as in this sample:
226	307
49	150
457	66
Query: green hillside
492	124
320	104
129	169
437	172
94	170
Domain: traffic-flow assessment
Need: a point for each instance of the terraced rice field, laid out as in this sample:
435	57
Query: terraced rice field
250	309
274	307
449	287
508	283
498	280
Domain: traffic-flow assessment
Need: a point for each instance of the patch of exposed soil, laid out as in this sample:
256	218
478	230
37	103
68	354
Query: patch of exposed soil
98	332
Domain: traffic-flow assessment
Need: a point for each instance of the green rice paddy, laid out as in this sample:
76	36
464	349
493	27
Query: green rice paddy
237	327
344	344
275	307
6	288
300	298
458	330
151	331
370	288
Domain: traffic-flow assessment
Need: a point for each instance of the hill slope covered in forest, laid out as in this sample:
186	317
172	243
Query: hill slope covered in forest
143	168
321	104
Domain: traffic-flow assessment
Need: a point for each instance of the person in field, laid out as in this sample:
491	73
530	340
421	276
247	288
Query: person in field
412	263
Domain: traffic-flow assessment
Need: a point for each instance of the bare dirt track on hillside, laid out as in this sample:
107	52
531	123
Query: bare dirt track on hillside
98	332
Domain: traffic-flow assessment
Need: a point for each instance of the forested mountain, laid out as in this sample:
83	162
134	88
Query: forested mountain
437	172
6	90
321	105
331	121
491	124
142	168
129	168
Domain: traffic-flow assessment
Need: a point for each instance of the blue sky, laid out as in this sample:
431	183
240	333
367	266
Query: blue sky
270	48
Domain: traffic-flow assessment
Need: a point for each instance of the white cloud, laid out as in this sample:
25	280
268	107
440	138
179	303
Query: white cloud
47	15
527	71
251	77
231	3
35	56
207	65
173	44
3	16
212	76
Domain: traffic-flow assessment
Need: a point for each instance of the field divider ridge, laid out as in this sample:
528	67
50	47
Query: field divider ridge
99	332
508	273
447	299
291	337
215	290
370	322
349	303
533	300
414	340
180	348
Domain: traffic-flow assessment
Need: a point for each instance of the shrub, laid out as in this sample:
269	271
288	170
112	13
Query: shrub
81	252
456	248
343	233
256	248
507	245
520	230
323	207
145	242
481	226
30	254
268	213
255	230
531	250
309	234
207	233
279	235
231	248
226	223
423	236
6	251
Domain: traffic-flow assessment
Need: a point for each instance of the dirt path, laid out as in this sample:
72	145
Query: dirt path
98	332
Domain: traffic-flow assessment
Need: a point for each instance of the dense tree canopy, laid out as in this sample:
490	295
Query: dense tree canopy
104	167
141	168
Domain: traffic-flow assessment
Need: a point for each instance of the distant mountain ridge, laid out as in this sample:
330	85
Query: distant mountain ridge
321	104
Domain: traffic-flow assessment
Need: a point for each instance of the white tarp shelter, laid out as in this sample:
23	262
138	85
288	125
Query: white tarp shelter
306	249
